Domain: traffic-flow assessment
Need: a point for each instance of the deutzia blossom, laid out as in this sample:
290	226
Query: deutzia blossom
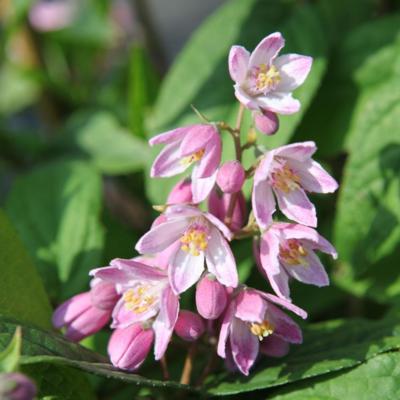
287	250
198	237
288	172
264	81
250	322
197	145
146	298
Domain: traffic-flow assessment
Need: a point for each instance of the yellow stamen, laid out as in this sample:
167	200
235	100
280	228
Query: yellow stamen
193	241
138	300
285	179
262	330
197	156
293	253
267	77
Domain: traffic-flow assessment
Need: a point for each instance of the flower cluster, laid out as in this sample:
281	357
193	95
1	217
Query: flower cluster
188	246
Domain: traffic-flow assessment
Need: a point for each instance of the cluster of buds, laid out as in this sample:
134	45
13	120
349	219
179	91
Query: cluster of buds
188	246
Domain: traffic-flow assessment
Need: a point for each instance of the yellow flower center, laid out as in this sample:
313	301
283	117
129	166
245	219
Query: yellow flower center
293	253
197	156
194	240
138	300
283	178
267	78
262	330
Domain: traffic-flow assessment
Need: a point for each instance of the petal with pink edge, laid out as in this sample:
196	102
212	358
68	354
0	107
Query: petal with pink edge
244	346
314	178
250	306
278	102
220	260
162	236
283	303
298	151
263	204
285	327
197	139
225	329
238	62
164	323
267	50
314	273
293	70
173	135
220	225
297	207
210	160
168	162
201	187
185	270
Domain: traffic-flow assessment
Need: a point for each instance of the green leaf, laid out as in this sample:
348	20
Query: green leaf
56	209
19	89
367	229
200	74
354	73
327	347
42	347
9	357
111	148
378	378
21	290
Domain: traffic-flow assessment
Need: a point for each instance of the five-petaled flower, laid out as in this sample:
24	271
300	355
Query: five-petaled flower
197	145
250	322
264	81
287	250
288	171
146	298
197	237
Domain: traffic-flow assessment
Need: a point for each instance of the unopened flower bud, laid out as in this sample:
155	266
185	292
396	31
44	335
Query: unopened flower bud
219	206
16	386
231	177
181	193
104	295
266	122
129	347
189	326
211	298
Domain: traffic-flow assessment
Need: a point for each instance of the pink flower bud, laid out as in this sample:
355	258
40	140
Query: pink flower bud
181	193
80	317
104	295
266	122
211	298
231	176
219	205
16	386
129	347
189	326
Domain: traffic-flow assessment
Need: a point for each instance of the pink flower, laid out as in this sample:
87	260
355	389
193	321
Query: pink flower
211	297
287	250
198	237
252	321
265	81
88	312
189	326
199	145
218	205
129	347
288	172
231	176
146	299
